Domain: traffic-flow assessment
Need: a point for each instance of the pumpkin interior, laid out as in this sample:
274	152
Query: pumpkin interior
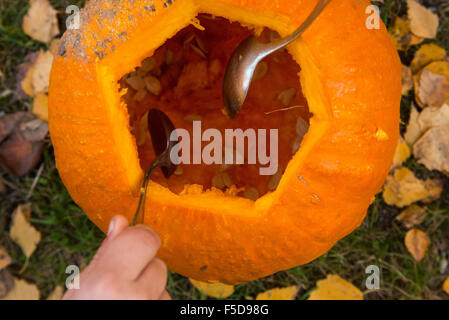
184	78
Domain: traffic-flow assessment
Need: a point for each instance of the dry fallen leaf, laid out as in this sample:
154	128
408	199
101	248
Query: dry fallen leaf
23	86
21	142
412	216
407	80
413	131
446	285
22	290
432	148
6	283
22	232
40	106
423	22
5	259
402	188
401	35
432	85
41	74
40	22
401	154
335	288
288	293
56	294
417	243
215	290
425	55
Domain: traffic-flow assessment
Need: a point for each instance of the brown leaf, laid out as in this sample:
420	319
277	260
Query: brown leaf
432	85
40	22
215	290
432	148
425	55
21	142
22	232
6	283
407	80
402	188
412	216
335	288
22	291
423	22
288	293
5	259
417	243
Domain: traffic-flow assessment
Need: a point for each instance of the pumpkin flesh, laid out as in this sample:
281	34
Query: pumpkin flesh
190	68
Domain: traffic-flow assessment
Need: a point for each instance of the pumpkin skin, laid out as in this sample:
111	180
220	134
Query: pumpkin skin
351	77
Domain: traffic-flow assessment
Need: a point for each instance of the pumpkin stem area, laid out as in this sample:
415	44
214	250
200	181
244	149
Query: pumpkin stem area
184	79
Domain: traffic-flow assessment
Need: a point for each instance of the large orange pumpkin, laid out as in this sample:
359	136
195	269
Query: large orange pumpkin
350	76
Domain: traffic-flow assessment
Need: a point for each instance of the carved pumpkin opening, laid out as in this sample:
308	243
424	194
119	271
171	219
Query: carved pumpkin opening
184	79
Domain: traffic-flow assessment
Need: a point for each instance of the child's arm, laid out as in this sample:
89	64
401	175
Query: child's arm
124	267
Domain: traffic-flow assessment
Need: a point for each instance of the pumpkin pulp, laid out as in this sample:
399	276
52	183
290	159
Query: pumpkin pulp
184	78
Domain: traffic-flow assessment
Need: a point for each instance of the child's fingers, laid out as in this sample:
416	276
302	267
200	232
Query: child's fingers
130	252
153	278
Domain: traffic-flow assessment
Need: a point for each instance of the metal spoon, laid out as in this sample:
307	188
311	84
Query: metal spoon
245	58
160	128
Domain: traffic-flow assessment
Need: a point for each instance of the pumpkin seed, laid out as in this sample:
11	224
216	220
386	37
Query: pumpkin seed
140	95
148	64
287	96
296	144
153	85
226	179
251	193
261	70
302	126
217	181
135	82
200	44
179	171
192	117
189	38
198	50
274	180
141	134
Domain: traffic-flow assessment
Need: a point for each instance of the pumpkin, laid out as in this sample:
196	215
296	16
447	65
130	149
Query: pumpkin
347	78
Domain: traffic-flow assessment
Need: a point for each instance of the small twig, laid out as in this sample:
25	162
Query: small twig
283	109
35	181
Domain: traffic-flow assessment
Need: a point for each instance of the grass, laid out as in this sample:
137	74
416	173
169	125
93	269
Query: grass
68	237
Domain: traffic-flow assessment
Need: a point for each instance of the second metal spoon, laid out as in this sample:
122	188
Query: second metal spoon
245	58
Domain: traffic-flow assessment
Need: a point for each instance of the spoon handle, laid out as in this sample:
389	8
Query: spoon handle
139	218
275	45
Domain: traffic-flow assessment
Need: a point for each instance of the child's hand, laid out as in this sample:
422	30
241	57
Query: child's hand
124	267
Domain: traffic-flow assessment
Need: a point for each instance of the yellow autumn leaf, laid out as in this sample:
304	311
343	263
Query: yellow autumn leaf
41	74
22	232
215	290
446	285
432	84
401	35
5	259
412	215
413	131
40	22
426	54
335	288
22	290
417	243
423	22
287	293
401	154
402	188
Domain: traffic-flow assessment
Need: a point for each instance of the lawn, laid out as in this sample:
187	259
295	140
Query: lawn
68	237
